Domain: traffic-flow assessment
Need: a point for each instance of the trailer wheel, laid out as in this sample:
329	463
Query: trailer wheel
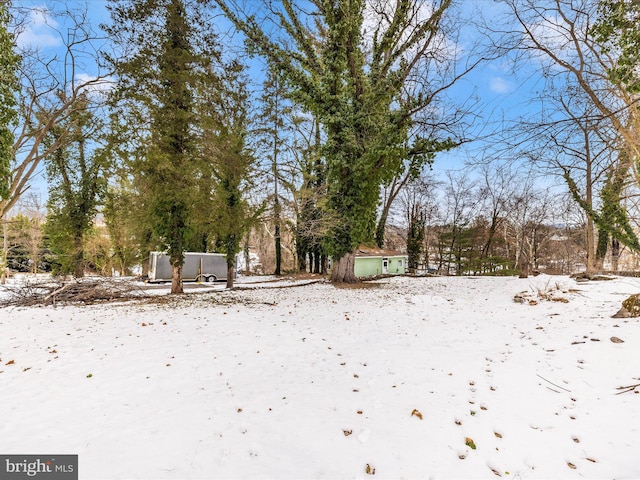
211	278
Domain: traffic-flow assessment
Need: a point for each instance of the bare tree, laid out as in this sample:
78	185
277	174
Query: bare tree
585	122
418	203
461	206
496	191
530	213
51	83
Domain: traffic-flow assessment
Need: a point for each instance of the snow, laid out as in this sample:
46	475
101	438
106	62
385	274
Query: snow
313	381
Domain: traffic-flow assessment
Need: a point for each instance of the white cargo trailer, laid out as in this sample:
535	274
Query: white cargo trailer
198	267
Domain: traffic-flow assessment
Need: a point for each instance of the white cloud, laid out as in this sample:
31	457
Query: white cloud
93	85
39	30
500	85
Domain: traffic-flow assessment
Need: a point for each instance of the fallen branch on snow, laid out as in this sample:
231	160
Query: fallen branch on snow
85	291
628	388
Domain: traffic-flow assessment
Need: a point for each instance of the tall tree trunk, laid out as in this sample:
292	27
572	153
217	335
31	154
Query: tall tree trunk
523	265
343	270
601	251
592	256
176	279
302	258
230	270
615	254
278	248
230	254
316	260
382	224
394	189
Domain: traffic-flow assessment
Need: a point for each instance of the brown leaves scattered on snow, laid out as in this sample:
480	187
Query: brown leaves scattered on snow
550	293
416	413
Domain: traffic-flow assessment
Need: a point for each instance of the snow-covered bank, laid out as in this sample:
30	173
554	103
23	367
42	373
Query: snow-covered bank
319	382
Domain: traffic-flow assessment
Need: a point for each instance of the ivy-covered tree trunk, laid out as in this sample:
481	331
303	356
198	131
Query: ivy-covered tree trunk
9	62
357	94
615	254
76	187
601	248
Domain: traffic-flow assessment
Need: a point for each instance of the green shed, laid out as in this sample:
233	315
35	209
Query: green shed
377	261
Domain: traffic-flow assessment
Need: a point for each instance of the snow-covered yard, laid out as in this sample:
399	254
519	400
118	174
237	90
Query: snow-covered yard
410	378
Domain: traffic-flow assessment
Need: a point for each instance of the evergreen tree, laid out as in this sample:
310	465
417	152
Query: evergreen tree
231	163
272	133
119	218
9	62
618	28
160	72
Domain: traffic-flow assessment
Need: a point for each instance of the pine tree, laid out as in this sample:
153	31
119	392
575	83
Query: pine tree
273	131
160	73
231	164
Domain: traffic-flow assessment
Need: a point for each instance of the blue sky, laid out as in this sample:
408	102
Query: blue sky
502	94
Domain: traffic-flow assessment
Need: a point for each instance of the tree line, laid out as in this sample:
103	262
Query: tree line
171	144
